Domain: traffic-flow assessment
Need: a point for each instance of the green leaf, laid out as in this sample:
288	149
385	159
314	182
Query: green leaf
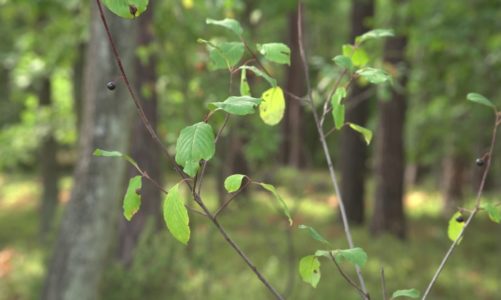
356	256
309	269
224	55
176	216
104	153
366	133
314	234
260	73
128	9
132	199
272	108
276	52
338	108
374	75
474	97
455	227
358	56
343	62
195	142
230	24
233	182
411	293
493	211
374	34
237	105
273	190
244	84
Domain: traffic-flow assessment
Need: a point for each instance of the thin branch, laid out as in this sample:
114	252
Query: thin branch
347	278
326	149
153	134
227	202
473	213
204	165
383	284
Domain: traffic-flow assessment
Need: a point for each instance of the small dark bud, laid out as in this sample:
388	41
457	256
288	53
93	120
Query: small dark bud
111	85
460	219
138	192
480	162
132	10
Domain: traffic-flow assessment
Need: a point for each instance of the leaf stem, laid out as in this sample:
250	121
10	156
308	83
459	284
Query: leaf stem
155	137
473	213
326	148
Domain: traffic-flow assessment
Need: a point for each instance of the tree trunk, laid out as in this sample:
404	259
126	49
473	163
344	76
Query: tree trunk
452	182
390	157
293	128
353	149
49	170
143	147
77	77
89	219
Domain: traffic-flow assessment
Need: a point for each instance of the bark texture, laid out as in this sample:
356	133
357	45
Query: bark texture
390	155
49	170
293	127
89	218
353	149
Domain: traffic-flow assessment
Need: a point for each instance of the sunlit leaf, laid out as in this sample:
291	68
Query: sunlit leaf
132	199
230	24
374	34
356	256
309	269
314	234
276	52
358	56
493	211
237	105
128	9
474	97
281	201
258	72
374	75
338	108
366	133
456	225
272	107
195	142
233	182
410	293
176	216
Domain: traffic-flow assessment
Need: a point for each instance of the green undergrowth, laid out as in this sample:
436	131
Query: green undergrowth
209	269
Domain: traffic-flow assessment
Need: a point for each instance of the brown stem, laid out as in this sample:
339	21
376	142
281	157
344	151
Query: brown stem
325	148
227	202
347	278
472	215
153	134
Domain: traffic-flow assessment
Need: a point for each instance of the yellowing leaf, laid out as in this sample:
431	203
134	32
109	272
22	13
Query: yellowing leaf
456	225
272	107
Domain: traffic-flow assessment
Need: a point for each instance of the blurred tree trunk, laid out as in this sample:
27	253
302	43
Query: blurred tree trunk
390	155
143	148
353	149
49	170
293	128
88	223
78	72
453	168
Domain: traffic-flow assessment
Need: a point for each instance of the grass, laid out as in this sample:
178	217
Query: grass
209	269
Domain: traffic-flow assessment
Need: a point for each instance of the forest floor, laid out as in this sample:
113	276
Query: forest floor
208	269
